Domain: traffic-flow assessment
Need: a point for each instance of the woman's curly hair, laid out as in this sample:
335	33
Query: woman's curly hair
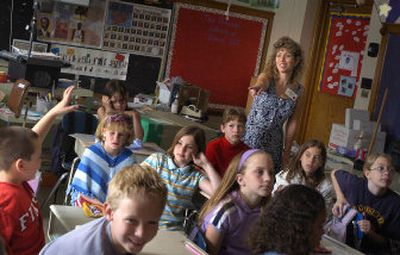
287	222
293	48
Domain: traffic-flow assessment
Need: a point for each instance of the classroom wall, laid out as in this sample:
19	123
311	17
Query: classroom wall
296	19
290	19
369	63
293	18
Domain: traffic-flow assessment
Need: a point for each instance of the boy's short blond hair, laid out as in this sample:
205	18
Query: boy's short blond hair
16	143
136	179
117	122
233	114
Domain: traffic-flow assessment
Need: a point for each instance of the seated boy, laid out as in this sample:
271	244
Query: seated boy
21	223
370	196
135	201
221	150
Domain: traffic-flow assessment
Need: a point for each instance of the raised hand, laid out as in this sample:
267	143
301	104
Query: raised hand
201	161
64	105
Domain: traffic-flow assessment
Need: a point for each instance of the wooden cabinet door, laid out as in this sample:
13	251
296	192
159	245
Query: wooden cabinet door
320	110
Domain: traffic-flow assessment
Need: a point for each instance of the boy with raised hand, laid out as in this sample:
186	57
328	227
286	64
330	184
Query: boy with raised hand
21	224
222	150
135	201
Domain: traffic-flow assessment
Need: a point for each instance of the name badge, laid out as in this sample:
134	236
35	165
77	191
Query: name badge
291	94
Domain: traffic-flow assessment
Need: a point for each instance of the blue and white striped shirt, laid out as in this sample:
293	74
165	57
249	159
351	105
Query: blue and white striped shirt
95	171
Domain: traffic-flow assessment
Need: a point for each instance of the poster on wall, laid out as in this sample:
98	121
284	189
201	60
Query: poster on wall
345	47
135	28
70	23
92	62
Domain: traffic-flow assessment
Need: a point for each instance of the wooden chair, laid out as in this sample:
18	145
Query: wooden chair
16	100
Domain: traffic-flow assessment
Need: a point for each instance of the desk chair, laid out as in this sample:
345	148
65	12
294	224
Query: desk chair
60	180
16	100
63	154
193	232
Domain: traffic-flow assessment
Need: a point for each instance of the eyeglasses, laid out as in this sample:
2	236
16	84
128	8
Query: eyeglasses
381	169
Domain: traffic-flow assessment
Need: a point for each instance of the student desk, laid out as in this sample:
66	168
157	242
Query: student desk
65	218
161	127
8	118
337	247
84	140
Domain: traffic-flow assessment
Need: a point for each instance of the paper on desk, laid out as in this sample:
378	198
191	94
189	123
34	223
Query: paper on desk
148	148
86	138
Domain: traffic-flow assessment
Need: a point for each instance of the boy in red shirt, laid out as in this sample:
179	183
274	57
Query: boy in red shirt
221	150
21	224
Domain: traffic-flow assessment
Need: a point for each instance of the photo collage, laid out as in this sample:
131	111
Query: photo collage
135	28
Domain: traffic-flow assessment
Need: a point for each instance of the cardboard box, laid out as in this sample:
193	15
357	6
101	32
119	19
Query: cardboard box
366	126
355	114
346	137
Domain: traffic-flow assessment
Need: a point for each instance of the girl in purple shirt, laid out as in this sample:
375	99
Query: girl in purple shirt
228	215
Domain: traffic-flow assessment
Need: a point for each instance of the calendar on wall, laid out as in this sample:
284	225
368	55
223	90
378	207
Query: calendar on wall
136	28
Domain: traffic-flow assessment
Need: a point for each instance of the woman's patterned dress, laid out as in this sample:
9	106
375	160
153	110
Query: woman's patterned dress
265	120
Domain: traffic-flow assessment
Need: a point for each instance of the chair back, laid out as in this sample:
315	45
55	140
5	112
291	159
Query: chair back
63	144
192	229
17	96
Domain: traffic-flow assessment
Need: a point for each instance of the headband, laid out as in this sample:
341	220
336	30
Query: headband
245	156
118	117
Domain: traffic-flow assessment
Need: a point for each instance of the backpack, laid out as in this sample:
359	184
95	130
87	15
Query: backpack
337	227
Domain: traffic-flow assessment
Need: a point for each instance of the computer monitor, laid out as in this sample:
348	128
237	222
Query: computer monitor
39	72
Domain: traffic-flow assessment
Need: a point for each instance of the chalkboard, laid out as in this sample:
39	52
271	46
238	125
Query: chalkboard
218	52
142	74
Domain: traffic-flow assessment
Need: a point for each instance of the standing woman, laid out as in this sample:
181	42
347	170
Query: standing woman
276	94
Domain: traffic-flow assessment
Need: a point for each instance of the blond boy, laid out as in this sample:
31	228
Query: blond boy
135	201
21	223
222	150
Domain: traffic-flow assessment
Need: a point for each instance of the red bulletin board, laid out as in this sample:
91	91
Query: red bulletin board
217	53
344	54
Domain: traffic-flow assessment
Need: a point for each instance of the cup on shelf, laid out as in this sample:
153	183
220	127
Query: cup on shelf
43	105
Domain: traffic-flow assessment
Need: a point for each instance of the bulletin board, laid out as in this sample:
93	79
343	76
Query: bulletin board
136	28
101	40
71	24
216	50
345	47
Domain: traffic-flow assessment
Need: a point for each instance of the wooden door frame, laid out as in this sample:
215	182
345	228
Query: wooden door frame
385	31
312	74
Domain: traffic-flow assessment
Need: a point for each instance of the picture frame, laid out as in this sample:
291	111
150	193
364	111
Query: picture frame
23	45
